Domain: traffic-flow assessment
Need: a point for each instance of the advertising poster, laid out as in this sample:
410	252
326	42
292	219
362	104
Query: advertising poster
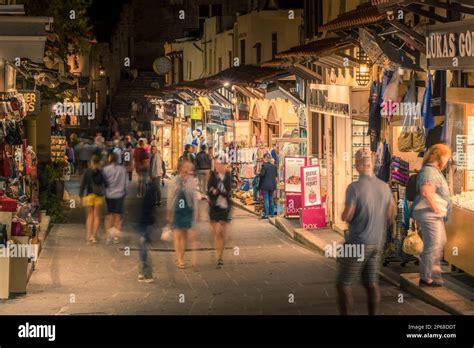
313	218
292	205
293	174
310	186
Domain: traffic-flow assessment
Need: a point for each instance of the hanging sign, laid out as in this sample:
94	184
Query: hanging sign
330	99
196	113
293	174
450	46
310	186
32	101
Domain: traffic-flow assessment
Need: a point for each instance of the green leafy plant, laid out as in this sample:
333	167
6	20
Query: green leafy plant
49	198
74	34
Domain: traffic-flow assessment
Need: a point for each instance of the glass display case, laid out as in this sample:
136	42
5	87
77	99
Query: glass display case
360	139
460	136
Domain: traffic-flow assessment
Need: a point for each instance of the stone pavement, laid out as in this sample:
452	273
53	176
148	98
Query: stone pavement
266	272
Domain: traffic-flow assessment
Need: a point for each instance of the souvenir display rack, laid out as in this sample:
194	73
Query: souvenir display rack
58	148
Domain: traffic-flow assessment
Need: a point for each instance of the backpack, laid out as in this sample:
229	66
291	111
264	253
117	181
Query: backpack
411	191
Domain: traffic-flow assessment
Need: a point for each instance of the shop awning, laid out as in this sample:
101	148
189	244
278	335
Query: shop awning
246	75
23	37
317	49
275	91
364	14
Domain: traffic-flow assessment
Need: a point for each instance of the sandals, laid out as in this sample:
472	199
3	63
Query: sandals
180	265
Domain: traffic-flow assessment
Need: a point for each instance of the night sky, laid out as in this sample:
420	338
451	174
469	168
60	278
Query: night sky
104	15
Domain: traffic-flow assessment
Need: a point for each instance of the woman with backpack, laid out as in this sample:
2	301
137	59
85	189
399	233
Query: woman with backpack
219	190
91	193
183	209
431	209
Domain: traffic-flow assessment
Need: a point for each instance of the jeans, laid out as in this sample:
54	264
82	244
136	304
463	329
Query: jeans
156	182
434	240
268	202
145	238
203	176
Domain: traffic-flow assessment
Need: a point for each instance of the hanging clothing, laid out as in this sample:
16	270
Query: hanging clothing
426	110
384	173
375	117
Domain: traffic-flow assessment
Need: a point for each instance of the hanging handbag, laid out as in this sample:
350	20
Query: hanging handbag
418	136
405	139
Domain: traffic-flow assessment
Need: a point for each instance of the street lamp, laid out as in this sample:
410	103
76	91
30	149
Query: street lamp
101	68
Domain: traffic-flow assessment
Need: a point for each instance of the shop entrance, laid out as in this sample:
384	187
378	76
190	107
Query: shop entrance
273	131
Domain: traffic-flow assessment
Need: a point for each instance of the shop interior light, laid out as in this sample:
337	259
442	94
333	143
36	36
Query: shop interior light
363	68
226	84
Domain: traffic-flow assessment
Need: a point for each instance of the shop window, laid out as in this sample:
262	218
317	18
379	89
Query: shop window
242	52
274	44
258	52
216	10
204	11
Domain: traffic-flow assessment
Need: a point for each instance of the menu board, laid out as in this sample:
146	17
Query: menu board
292	173
311	186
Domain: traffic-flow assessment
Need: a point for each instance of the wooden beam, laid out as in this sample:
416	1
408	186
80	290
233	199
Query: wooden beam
431	15
445	6
409	40
402	27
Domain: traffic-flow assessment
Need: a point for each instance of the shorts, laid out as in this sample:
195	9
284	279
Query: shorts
114	205
352	268
92	200
142	176
219	215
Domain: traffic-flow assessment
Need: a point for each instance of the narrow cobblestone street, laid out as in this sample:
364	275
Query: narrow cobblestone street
263	273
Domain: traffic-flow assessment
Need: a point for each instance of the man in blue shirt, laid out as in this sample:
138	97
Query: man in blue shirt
369	210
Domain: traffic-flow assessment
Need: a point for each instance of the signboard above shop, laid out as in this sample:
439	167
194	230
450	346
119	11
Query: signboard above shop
32	101
219	114
450	46
330	99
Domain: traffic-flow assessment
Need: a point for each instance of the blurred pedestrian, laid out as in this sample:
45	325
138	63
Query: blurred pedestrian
268	184
219	189
156	174
203	168
183	210
91	193
369	210
118	151
71	158
140	158
431	209
116	177
128	160
145	224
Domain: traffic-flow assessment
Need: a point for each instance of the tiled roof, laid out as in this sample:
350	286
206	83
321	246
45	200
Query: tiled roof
245	75
318	48
364	14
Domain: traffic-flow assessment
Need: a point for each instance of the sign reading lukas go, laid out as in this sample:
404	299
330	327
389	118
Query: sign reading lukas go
450	46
